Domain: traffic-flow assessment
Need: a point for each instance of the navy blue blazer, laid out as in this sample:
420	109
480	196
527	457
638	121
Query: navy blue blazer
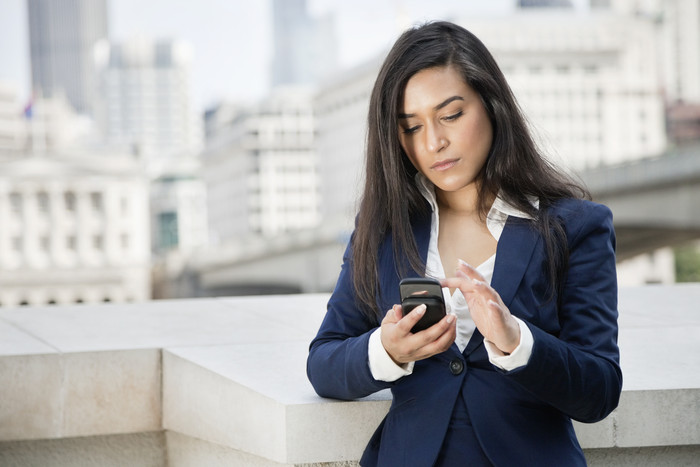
521	417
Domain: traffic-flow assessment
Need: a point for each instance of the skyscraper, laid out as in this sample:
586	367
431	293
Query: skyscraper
304	47
62	34
144	102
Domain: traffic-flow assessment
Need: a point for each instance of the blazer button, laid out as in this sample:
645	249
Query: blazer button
456	366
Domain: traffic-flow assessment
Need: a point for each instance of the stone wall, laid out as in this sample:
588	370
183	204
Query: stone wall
222	382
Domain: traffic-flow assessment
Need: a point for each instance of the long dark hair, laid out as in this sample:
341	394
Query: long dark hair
514	167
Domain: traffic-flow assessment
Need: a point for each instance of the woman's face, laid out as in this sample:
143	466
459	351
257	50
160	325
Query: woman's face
444	128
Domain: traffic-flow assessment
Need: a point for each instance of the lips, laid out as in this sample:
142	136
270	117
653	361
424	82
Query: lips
444	164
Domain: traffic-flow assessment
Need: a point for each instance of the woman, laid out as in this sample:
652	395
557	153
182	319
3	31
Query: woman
454	182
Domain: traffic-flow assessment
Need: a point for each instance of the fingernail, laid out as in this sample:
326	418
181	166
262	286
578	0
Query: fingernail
450	318
461	261
420	309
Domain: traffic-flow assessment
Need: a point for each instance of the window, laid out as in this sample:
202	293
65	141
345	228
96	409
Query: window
70	242
97	242
167	229
96	201
16	202
17	244
43	200
69	200
45	243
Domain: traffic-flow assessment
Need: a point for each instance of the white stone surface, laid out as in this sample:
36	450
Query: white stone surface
597	435
205	405
133	450
79	394
184	451
267	390
111	392
234	386
15	341
659	418
30	396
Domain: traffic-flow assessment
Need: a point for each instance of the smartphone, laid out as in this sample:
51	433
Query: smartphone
416	291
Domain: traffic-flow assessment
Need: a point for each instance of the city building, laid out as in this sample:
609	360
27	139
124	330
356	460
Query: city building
62	34
73	229
13	134
304	46
340	108
145	108
588	83
677	43
260	170
178	208
145	100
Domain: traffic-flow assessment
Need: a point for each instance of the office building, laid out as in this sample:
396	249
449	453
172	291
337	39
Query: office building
145	100
74	229
62	34
260	170
304	46
13	127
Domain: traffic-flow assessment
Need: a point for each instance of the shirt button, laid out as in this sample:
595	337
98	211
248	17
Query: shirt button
456	366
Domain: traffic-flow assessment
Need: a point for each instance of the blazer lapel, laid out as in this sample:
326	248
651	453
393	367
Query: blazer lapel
513	254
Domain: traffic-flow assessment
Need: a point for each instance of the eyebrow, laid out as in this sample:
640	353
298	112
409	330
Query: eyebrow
437	107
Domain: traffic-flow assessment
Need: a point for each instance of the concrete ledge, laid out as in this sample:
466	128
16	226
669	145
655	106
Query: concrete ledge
60	395
134	450
222	382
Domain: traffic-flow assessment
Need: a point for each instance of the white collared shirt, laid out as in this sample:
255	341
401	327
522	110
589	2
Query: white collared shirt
383	367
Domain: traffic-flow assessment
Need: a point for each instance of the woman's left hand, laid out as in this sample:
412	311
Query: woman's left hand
491	316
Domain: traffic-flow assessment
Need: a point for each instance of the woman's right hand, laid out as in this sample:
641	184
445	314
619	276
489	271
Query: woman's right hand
403	346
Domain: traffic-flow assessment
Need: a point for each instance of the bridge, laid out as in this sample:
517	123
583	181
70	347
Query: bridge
655	203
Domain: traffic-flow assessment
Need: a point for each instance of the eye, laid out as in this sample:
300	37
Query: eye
411	130
452	117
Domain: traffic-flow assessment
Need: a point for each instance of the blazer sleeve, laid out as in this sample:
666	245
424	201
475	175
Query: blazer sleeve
338	365
577	371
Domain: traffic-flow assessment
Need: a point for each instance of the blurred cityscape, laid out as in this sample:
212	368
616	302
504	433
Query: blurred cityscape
114	187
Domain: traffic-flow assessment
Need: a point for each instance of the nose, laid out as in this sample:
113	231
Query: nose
435	139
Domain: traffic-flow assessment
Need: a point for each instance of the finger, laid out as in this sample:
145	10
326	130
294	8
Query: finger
487	291
391	316
462	282
434	332
499	308
441	343
469	270
411	318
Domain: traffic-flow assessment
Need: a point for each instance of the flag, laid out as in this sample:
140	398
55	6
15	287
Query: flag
28	109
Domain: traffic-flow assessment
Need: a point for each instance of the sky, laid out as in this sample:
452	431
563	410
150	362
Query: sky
232	39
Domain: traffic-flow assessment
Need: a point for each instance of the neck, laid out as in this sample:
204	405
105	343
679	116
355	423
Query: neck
463	202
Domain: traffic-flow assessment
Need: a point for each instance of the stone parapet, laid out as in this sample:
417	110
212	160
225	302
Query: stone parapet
221	381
